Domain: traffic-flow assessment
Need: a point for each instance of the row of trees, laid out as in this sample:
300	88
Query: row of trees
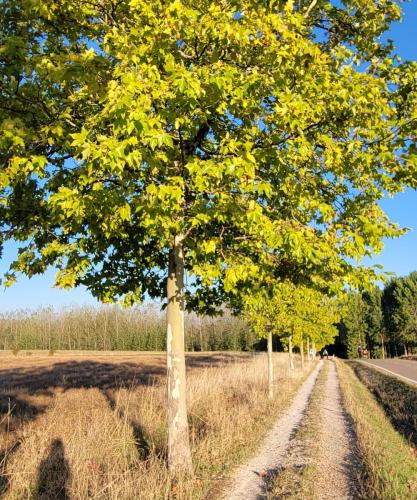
190	151
112	328
384	321
298	315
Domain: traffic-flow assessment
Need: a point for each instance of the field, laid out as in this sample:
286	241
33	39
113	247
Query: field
92	425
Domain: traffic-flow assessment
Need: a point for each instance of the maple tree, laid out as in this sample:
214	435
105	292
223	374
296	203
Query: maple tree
181	150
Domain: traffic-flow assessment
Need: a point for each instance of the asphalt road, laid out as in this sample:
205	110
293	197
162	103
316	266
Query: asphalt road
403	368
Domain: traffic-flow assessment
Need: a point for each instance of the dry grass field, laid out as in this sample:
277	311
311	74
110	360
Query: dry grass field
92	425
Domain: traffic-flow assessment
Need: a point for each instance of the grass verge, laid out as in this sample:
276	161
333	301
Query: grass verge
390	466
398	399
91	442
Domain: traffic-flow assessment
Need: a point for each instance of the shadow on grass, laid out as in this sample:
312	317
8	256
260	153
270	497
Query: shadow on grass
102	375
141	441
27	392
398	399
14	412
53	474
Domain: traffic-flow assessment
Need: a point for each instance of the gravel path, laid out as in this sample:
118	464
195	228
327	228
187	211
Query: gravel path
249	480
338	466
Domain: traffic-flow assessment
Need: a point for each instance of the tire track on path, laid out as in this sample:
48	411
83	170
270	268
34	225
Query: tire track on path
249	480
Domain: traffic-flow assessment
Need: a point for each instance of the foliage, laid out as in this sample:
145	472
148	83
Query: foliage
373	315
296	311
354	324
400	307
378	317
262	132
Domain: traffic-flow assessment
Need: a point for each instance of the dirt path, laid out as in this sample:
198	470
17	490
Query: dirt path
338	465
249	480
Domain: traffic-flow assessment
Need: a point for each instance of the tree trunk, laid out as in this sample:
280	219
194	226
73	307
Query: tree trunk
290	352
405	350
383	347
308	348
179	454
314	350
302	352
270	368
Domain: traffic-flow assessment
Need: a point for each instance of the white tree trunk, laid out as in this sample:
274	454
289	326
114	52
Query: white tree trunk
302	352
179	454
308	349
270	368
290	352
383	347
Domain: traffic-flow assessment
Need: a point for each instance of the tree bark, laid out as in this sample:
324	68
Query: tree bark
383	347
302	352
179	453
290	352
270	368
308	349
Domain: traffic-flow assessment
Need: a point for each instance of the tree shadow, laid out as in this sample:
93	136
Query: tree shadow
53	474
5	454
26	392
141	442
98	374
14	411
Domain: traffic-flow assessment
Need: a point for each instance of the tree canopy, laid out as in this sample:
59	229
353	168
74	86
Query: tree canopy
377	317
262	132
293	311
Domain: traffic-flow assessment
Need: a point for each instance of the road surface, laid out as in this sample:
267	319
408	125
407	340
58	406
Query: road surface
403	368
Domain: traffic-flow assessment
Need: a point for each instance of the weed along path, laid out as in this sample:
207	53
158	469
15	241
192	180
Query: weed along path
338	465
249	482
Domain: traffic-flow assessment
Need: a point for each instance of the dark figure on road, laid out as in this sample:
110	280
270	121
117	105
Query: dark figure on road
360	352
325	354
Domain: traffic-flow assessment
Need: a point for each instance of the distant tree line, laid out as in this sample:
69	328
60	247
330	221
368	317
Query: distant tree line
113	328
383	321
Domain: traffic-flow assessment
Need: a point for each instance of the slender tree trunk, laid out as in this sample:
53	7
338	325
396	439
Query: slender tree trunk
270	368
179	454
290	352
405	350
302	352
383	347
308	348
314	350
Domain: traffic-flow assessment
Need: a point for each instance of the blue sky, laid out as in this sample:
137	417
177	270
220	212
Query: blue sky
399	256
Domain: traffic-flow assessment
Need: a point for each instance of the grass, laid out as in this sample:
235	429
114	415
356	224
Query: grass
95	427
398	399
299	478
390	465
